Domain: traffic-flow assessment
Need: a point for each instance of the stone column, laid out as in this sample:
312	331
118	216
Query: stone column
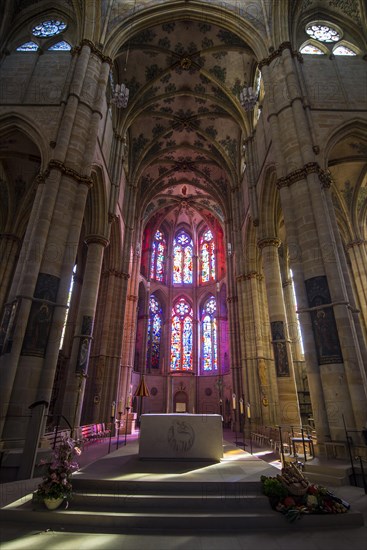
79	359
40	285
288	409
9	250
335	375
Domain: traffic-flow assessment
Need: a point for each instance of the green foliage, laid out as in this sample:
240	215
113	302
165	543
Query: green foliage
273	488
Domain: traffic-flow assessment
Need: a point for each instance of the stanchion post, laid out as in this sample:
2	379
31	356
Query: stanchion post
118	429
113	409
127	419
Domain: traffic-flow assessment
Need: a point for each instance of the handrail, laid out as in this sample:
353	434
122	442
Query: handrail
361	460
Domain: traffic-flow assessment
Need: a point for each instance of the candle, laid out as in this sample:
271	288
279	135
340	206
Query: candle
120	407
113	406
241	405
248	410
233	401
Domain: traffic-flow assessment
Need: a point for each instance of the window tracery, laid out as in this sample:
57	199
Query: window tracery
158	257
182	259
207	257
209	336
155	322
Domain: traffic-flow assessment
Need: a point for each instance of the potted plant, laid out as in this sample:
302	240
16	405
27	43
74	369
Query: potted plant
56	485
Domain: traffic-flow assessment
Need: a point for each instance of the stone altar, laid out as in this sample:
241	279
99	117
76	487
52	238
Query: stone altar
181	436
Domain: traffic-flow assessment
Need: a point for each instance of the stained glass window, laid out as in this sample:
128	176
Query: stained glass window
61	46
209	333
158	257
207	257
154	333
323	32
49	28
182	259
28	47
311	49
343	50
181	336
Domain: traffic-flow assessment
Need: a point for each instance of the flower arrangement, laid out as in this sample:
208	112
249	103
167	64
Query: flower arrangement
57	480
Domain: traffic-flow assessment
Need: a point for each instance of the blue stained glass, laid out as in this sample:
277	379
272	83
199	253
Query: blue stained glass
28	47
209	336
207	257
49	28
61	46
154	333
157	262
182	259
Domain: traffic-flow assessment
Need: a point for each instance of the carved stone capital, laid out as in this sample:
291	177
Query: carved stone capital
269	241
81	179
94	49
97	239
278	52
302	173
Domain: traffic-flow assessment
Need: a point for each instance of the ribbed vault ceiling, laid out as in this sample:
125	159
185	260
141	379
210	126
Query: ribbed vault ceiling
184	124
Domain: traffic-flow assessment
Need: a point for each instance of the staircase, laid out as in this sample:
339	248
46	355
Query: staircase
107	506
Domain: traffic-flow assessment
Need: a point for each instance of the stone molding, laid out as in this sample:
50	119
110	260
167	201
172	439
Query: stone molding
132	298
302	173
58	165
269	241
232	299
278	52
93	48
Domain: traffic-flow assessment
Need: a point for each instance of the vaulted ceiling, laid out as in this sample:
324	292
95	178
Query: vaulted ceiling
184	123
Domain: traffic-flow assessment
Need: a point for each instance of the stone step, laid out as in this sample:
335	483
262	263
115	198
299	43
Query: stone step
327	480
140	502
110	521
167	487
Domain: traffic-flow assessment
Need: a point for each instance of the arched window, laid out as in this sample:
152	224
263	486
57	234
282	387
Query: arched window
61	46
209	336
311	49
158	257
207	257
182	259
181	336
154	333
342	49
28	47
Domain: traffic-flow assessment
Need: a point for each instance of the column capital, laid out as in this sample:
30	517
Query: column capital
269	241
58	165
94	49
278	52
250	275
97	239
356	242
301	174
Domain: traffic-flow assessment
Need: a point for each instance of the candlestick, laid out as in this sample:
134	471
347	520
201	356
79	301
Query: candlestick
248	410
241	405
233	401
113	408
120	407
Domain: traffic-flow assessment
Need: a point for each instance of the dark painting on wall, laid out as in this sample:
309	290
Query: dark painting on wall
40	317
323	321
84	344
280	348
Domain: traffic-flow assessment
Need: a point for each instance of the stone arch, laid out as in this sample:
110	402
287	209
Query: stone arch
165	13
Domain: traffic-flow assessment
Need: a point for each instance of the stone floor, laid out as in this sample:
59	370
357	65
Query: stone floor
237	465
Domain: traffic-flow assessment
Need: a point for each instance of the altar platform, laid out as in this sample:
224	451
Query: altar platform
176	519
